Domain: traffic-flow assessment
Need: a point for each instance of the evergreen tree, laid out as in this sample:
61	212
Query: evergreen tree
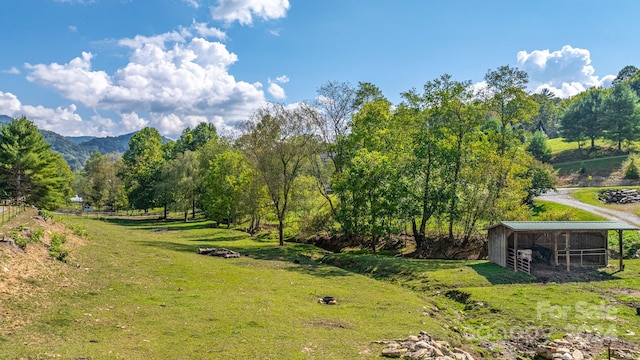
30	170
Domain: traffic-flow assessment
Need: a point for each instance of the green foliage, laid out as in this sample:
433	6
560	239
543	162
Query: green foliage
630	244
28	167
36	235
538	146
277	142
78	230
227	197
55	248
18	238
99	184
194	139
142	163
584	117
631	168
621	114
46	215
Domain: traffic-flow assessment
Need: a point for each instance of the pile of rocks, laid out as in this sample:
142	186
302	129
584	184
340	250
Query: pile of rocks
587	346
225	253
623	196
424	347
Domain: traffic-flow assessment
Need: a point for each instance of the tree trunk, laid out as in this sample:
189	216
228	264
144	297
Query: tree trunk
281	230
165	211
418	236
186	215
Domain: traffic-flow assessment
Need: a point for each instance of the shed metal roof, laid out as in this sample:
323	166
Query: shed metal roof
563	225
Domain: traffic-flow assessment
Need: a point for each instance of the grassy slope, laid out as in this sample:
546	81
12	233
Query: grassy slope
143	294
149	295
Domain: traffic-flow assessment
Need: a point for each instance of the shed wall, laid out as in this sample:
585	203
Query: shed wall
497	245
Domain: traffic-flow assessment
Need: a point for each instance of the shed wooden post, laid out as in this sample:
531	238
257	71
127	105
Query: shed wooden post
515	251
555	246
620	245
567	238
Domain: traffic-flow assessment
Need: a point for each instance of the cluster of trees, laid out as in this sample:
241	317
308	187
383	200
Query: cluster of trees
612	114
444	162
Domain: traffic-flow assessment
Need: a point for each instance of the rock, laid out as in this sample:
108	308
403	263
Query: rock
563	350
394	352
577	355
423	345
421	354
413	338
544	352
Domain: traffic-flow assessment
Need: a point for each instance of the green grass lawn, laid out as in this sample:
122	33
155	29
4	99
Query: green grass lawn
143	294
601	166
551	211
148	295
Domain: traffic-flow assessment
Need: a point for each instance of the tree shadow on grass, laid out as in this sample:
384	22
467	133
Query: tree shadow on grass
167	225
498	275
293	256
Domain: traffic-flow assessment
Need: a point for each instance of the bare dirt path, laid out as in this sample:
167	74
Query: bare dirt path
562	196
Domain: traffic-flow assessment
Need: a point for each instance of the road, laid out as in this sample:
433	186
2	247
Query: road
562	197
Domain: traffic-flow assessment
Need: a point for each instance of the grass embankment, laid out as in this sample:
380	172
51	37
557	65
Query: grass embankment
140	293
586	166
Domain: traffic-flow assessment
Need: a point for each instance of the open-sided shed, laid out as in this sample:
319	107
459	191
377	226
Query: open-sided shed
516	244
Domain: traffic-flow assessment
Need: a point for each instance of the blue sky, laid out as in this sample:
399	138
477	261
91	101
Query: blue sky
109	67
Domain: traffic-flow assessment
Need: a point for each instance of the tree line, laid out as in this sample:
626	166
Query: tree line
444	162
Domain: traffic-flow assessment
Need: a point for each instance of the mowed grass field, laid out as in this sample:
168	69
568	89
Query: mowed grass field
140	293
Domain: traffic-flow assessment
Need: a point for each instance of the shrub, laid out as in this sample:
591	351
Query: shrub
36	235
18	238
46	214
55	249
630	244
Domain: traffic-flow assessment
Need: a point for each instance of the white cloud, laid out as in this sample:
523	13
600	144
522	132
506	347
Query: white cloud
167	87
9	104
14	70
282	79
132	122
277	91
193	3
63	119
566	72
244	11
158	40
72	28
205	31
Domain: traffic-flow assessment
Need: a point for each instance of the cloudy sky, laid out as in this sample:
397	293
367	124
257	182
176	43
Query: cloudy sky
110	67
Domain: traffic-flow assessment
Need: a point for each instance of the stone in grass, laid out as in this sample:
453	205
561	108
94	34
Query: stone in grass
391	352
327	300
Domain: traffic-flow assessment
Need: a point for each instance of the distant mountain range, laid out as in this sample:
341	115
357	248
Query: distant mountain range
77	149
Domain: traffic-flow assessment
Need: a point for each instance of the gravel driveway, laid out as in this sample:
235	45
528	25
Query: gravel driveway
562	196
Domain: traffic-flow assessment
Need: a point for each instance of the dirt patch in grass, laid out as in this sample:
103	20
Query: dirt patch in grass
329	324
28	275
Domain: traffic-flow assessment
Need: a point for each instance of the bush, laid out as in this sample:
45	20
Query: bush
46	214
55	249
630	244
36	235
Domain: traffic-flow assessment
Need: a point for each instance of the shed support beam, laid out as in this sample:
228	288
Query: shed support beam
515	251
567	238
620	245
555	246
